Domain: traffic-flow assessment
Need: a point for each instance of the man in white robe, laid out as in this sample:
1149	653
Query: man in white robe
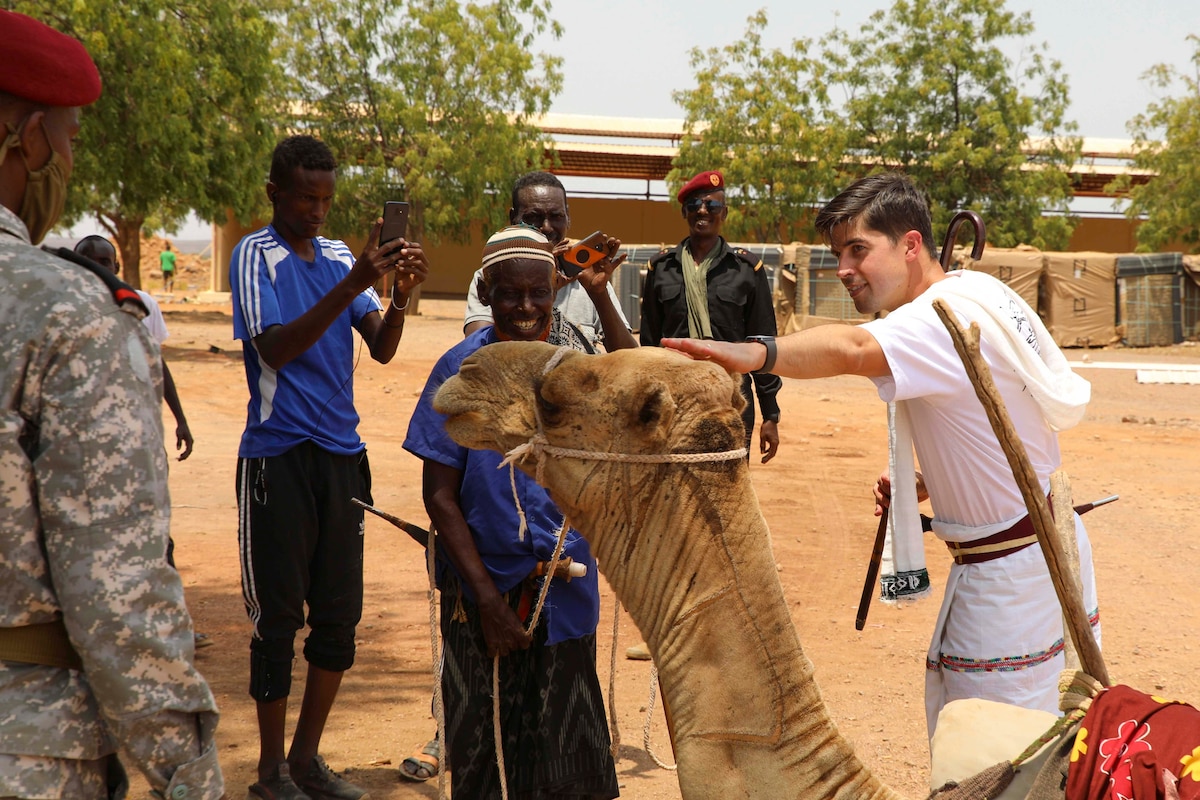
999	634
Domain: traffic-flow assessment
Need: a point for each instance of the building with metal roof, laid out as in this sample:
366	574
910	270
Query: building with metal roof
641	150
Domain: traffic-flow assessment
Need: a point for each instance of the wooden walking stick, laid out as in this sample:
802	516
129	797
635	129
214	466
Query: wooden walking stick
952	234
864	602
1069	594
1064	527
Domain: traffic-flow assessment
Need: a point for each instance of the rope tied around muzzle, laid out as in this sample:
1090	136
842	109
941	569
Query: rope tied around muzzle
539	448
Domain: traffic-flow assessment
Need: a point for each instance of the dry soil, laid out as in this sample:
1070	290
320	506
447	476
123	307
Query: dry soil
1139	441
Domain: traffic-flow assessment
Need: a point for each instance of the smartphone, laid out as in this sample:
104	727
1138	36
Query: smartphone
584	253
395	221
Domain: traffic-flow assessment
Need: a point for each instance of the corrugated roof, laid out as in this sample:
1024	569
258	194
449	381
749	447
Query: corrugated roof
601	159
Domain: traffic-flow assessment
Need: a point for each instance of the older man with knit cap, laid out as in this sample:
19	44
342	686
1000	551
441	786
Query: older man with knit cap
553	727
705	289
95	641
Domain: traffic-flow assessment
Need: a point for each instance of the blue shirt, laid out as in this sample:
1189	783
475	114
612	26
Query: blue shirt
486	499
312	396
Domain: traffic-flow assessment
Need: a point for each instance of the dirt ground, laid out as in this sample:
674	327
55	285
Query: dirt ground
1139	441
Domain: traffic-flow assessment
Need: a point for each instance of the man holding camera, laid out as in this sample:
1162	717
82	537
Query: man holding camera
705	289
587	300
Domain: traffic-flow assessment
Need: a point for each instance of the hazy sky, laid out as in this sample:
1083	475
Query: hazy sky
627	59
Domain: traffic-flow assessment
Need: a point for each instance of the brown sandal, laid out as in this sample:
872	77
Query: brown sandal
423	764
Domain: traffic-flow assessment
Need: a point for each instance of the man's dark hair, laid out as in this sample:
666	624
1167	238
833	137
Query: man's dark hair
536	179
307	152
888	203
90	241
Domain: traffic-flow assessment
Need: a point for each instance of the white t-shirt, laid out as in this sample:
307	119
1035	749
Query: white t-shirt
154	320
970	483
572	302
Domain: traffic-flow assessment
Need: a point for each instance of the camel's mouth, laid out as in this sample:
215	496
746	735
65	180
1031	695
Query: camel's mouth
475	404
465	422
460	403
464	428
494	377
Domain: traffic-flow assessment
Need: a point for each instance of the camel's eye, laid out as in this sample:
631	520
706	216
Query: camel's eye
549	412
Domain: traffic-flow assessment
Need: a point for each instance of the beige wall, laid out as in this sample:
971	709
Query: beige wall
633	220
1104	234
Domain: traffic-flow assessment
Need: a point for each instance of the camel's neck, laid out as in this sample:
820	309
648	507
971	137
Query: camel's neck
690	559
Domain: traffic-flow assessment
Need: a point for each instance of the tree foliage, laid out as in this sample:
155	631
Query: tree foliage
762	116
183	122
931	91
1166	141
427	101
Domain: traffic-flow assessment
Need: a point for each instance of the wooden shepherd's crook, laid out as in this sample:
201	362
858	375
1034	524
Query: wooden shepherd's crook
1069	595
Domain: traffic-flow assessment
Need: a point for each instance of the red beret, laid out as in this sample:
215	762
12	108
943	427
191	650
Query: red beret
704	182
41	65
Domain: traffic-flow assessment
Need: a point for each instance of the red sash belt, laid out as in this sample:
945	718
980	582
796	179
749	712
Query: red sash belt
998	545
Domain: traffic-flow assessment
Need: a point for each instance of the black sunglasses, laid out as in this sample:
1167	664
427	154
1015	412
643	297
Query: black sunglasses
709	204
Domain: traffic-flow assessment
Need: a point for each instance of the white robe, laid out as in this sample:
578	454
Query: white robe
999	631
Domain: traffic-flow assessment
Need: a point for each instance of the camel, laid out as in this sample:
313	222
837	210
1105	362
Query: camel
684	547
640	450
635	448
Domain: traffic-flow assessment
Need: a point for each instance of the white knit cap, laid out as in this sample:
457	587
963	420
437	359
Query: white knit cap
517	241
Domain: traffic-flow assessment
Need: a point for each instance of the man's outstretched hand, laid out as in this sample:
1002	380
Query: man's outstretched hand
740	357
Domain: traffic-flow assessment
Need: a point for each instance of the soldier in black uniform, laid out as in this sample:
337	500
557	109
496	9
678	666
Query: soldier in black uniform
736	288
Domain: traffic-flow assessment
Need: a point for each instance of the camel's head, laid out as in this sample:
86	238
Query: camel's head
641	401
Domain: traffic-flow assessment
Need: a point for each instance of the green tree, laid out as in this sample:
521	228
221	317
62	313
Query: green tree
762	116
931	91
182	123
427	101
1166	141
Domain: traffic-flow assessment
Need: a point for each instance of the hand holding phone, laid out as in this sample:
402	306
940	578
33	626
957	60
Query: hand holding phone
395	221
584	253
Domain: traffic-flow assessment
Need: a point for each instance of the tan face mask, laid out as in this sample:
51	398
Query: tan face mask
45	190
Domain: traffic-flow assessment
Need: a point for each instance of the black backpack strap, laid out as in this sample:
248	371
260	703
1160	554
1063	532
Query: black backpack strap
122	292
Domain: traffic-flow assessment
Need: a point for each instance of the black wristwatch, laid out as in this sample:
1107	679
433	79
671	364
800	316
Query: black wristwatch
769	363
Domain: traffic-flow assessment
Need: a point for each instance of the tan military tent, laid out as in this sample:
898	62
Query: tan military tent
1080	308
1020	267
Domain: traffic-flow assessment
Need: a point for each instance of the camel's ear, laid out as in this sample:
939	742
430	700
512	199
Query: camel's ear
655	407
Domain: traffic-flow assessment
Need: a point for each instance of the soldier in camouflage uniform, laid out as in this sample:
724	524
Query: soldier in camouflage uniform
95	640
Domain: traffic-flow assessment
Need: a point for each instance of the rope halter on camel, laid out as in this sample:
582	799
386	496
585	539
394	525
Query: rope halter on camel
539	448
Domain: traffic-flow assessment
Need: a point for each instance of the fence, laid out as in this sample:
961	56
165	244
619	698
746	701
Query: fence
631	274
1149	295
1086	299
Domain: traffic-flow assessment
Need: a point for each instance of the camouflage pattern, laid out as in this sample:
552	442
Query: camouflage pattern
84	517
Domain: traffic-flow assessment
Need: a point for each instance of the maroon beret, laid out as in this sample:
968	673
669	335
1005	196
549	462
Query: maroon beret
704	182
41	65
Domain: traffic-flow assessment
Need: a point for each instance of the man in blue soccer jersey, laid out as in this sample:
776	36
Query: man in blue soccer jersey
296	295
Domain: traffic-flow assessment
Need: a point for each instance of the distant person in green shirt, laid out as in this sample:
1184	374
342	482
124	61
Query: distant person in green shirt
167	261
